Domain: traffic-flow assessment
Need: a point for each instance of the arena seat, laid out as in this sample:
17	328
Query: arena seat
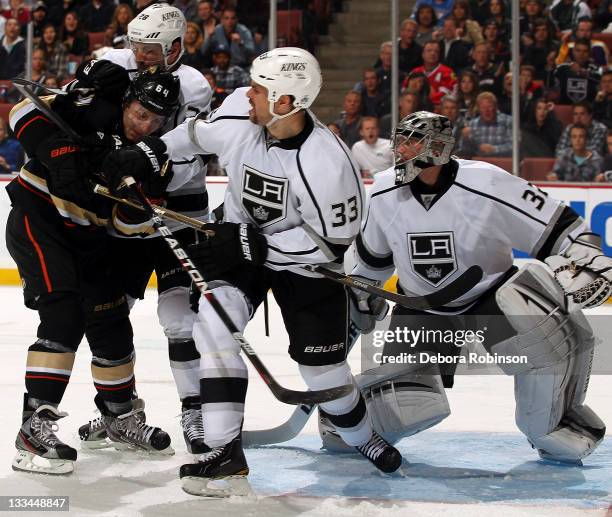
500	161
536	169
564	113
5	110
96	40
289	27
606	37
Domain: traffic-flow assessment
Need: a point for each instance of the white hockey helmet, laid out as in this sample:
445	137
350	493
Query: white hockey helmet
434	132
159	23
288	71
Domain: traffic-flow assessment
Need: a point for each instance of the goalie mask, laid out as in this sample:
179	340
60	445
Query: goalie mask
433	132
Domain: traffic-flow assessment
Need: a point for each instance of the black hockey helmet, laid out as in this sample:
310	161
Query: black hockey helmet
157	91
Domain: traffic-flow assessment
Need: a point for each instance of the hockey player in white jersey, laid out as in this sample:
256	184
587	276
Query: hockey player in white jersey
156	40
432	216
294	198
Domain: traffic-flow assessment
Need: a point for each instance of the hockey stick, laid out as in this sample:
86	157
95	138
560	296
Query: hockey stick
447	294
283	394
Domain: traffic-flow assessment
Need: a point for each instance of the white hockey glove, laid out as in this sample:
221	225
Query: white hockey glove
366	308
584	272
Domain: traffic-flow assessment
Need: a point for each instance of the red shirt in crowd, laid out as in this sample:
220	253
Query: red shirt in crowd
442	81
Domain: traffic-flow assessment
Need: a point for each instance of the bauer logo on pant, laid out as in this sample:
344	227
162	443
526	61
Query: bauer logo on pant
264	197
432	256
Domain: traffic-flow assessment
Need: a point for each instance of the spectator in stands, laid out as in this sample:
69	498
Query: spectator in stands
449	107
490	133
442	8
408	103
410	53
233	35
260	40
578	80
384	70
73	37
540	131
504	101
499	49
442	79
529	87
584	30
334	129
497	12
122	16
426	20
490	76
193	46
534	9
218	94
55	53
189	8
582	113
51	81
606	168
467	93
602	107
603	16
39	68
578	163
566	13
373	102
372	154
11	153
455	51
18	10
96	15
206	18
350	120
537	46
417	83
479	10
229	77
472	33
12	51
39	20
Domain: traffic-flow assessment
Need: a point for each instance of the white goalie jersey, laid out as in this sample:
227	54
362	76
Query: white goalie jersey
477	219
304	193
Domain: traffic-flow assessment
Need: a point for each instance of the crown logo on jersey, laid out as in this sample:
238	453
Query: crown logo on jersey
260	213
433	272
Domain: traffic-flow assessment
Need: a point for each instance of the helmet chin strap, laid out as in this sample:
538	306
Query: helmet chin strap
276	117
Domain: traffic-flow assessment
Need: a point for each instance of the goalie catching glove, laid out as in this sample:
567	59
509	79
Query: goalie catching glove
230	245
584	272
366	309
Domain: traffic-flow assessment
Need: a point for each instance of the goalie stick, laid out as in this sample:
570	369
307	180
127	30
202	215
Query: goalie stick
283	394
451	292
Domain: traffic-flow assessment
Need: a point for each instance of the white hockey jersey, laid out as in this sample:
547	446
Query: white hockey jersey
305	193
430	239
188	197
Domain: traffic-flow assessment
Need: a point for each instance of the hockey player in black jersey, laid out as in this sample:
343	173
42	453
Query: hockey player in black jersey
57	235
432	216
294	198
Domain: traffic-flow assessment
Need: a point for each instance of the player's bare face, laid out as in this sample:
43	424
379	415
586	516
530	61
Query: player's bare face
147	55
139	121
260	106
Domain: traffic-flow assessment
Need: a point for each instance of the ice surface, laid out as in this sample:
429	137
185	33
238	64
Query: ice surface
474	463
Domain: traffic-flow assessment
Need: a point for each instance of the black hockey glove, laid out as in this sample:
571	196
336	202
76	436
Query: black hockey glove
365	308
145	161
108	79
68	173
232	245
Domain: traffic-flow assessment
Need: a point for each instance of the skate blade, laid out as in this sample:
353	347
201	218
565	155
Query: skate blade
221	488
122	446
28	462
105	443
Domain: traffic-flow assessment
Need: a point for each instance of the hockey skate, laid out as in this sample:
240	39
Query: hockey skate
38	448
129	430
93	434
222	472
383	455
193	428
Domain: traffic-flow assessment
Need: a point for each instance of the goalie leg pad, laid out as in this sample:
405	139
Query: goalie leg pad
531	300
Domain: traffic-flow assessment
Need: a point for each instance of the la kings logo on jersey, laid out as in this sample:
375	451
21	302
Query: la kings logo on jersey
264	197
432	255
